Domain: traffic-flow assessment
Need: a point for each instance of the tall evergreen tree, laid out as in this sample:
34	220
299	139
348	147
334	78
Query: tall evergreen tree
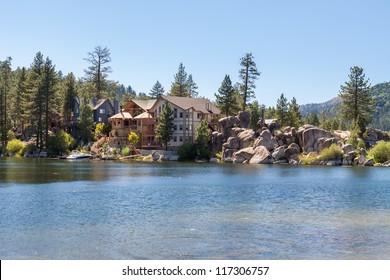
5	88
357	104
180	86
192	87
202	139
294	116
98	70
157	90
248	75
313	119
165	125
69	94
19	100
255	112
282	109
85	122
226	100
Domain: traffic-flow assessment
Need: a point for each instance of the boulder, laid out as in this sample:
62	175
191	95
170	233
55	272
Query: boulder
226	124
246	153
292	152
246	137
363	152
261	156
244	119
272	124
343	135
310	136
347	148
156	156
232	143
278	153
266	140
216	141
329	142
228	153
375	135
369	162
214	160
359	160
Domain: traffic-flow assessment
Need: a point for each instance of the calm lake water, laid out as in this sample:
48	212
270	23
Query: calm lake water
57	209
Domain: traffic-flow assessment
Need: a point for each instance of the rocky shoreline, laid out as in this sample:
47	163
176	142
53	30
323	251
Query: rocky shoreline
273	145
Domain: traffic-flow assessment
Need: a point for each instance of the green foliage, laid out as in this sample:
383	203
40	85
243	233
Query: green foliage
125	151
180	86
313	119
227	99
15	147
357	102
192	87
10	135
248	74
309	159
85	122
282	110
99	128
294	116
187	151
202	138
165	126
133	138
218	156
356	141
103	128
60	144
334	152
157	90
255	112
380	152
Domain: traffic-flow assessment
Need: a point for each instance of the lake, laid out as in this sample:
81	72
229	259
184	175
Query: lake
58	209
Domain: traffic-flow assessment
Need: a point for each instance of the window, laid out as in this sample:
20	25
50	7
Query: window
175	127
199	115
100	119
102	111
126	123
174	138
181	127
180	138
181	114
159	109
175	113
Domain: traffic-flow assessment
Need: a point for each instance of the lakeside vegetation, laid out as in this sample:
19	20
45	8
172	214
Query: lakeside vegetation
36	108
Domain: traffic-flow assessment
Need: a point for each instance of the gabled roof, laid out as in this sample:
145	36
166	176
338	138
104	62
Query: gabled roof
145	104
122	115
144	115
199	104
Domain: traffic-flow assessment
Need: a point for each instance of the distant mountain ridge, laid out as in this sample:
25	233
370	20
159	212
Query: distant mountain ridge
380	94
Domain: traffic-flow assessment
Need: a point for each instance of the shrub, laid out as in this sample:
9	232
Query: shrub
10	135
15	147
309	159
187	151
356	141
126	151
334	152
60	143
30	148
380	152
103	129
133	138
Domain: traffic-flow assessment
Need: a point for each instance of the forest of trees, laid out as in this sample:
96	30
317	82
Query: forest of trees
35	98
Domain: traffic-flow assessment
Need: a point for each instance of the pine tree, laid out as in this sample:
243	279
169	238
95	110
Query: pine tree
98	70
255	112
294	116
357	104
85	122
156	91
226	100
248	75
179	86
69	94
19	99
313	119
192	87
5	87
165	125
202	139
282	109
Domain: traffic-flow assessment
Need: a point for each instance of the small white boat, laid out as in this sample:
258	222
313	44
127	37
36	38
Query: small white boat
78	155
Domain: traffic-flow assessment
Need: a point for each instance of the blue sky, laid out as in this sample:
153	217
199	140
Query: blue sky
303	49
